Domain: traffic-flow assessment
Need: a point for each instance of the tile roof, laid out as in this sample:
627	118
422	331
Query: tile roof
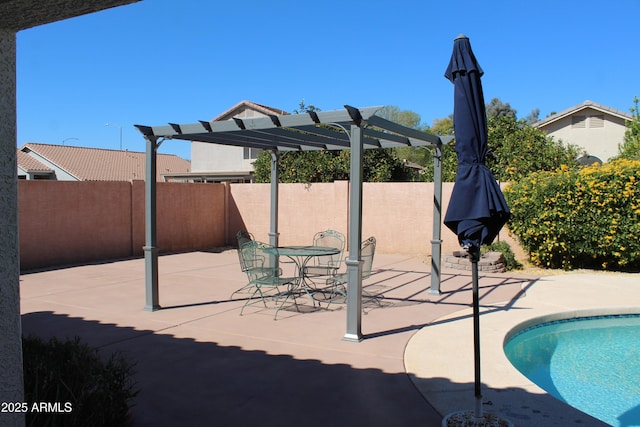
97	164
31	164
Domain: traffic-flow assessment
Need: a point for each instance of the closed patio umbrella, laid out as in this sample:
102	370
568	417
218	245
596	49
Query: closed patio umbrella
477	209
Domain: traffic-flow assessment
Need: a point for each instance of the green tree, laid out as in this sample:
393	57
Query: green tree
326	166
533	116
422	156
442	127
304	166
497	108
406	118
517	149
304	108
630	148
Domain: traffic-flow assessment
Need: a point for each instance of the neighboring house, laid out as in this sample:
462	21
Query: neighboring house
30	168
234	163
594	127
68	163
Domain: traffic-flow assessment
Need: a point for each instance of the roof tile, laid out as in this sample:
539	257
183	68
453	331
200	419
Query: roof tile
30	164
97	164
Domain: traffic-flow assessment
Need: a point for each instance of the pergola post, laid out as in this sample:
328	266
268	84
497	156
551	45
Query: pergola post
273	214
436	241
152	301
353	261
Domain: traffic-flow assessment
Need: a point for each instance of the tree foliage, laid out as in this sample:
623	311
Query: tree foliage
449	164
443	126
378	165
406	118
517	149
630	148
533	116
497	108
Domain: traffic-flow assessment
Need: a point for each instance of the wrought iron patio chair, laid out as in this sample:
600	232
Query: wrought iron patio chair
337	284
265	282
326	265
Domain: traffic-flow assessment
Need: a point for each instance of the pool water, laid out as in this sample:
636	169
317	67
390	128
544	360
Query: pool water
591	363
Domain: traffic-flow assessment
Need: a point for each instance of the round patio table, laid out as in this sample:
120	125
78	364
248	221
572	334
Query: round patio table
301	255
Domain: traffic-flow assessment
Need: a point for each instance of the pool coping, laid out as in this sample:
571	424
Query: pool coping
569	315
439	358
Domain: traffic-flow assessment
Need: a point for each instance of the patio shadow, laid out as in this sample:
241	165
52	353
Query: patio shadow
187	382
521	407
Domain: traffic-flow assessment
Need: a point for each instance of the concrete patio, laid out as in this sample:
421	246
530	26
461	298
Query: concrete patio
199	363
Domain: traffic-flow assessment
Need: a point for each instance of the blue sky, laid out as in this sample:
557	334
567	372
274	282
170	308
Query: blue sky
161	61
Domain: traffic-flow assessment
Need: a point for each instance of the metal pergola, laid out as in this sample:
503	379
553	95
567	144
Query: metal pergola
352	129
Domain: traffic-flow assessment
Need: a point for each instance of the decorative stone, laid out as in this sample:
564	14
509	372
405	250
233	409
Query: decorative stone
491	262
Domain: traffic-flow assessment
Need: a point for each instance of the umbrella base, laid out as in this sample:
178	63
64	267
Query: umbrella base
468	419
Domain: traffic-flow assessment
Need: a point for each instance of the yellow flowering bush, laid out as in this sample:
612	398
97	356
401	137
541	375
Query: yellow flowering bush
579	218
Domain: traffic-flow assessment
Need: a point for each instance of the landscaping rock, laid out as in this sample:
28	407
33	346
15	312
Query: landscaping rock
490	262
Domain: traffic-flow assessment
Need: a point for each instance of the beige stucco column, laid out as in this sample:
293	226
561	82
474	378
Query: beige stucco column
11	386
16	15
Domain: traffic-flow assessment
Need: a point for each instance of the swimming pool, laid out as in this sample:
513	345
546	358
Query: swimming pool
591	363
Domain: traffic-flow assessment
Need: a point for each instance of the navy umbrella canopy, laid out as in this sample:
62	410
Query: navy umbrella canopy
477	209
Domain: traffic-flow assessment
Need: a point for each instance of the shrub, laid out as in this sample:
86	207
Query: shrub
509	257
90	392
579	218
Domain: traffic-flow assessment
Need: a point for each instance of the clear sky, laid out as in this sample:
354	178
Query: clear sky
180	61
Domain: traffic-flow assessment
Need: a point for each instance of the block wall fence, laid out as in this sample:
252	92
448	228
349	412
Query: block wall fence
63	222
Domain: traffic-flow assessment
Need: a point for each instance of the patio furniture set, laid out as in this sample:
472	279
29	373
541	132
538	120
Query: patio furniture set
317	272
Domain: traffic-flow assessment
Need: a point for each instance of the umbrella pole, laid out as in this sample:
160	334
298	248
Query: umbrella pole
474	253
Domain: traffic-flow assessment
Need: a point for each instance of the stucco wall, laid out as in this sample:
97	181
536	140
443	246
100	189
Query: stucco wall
190	217
65	222
399	215
303	210
220	158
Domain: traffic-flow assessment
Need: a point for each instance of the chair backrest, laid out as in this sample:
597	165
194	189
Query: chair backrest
243	237
256	263
332	239
367	251
251	255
